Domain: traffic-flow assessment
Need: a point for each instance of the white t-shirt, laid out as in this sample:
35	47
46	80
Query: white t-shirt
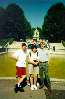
33	56
21	58
43	55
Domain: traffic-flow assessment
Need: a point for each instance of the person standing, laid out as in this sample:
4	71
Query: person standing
33	67
20	56
43	67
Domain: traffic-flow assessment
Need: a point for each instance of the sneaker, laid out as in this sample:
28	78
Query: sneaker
35	87
16	89
21	89
28	84
32	87
37	84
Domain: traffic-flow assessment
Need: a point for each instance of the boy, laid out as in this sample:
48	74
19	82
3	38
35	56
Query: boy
33	67
20	56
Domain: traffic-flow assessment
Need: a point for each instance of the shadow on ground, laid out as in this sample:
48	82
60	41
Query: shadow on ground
56	94
7	91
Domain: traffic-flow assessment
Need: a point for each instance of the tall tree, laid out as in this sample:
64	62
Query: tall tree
17	25
54	23
2	22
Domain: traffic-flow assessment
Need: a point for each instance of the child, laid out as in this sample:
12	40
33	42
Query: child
20	57
33	67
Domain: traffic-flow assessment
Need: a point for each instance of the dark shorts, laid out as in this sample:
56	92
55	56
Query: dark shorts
20	71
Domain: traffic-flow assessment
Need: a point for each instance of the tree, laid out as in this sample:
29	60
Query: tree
53	27
17	25
2	22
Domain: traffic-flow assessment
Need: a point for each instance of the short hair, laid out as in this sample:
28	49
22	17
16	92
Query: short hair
33	46
23	44
42	42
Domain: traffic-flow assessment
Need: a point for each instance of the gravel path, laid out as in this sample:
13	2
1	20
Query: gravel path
7	92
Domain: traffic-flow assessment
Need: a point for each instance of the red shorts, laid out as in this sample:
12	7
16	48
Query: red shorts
20	71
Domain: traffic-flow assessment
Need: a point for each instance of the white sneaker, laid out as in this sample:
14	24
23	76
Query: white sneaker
35	87
32	87
28	84
37	84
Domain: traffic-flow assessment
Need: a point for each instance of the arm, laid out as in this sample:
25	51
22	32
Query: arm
14	55
32	62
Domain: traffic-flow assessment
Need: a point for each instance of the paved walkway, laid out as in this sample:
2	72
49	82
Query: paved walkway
7	92
3	52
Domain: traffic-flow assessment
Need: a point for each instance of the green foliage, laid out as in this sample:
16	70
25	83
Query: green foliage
11	40
3	42
15	23
54	23
2	22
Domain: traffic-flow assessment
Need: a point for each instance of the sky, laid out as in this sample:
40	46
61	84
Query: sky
34	10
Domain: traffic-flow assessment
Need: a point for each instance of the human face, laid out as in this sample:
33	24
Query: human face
34	50
42	45
24	48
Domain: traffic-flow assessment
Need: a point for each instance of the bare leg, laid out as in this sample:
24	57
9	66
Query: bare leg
18	87
21	79
31	79
35	80
31	82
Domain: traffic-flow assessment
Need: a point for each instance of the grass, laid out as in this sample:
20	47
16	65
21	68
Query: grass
7	65
56	66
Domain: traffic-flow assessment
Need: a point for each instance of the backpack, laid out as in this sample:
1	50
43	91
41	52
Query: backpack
34	60
30	54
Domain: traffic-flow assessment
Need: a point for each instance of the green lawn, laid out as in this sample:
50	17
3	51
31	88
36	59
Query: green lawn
7	65
56	66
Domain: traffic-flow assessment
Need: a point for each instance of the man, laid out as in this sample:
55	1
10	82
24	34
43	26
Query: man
20	56
43	67
33	67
